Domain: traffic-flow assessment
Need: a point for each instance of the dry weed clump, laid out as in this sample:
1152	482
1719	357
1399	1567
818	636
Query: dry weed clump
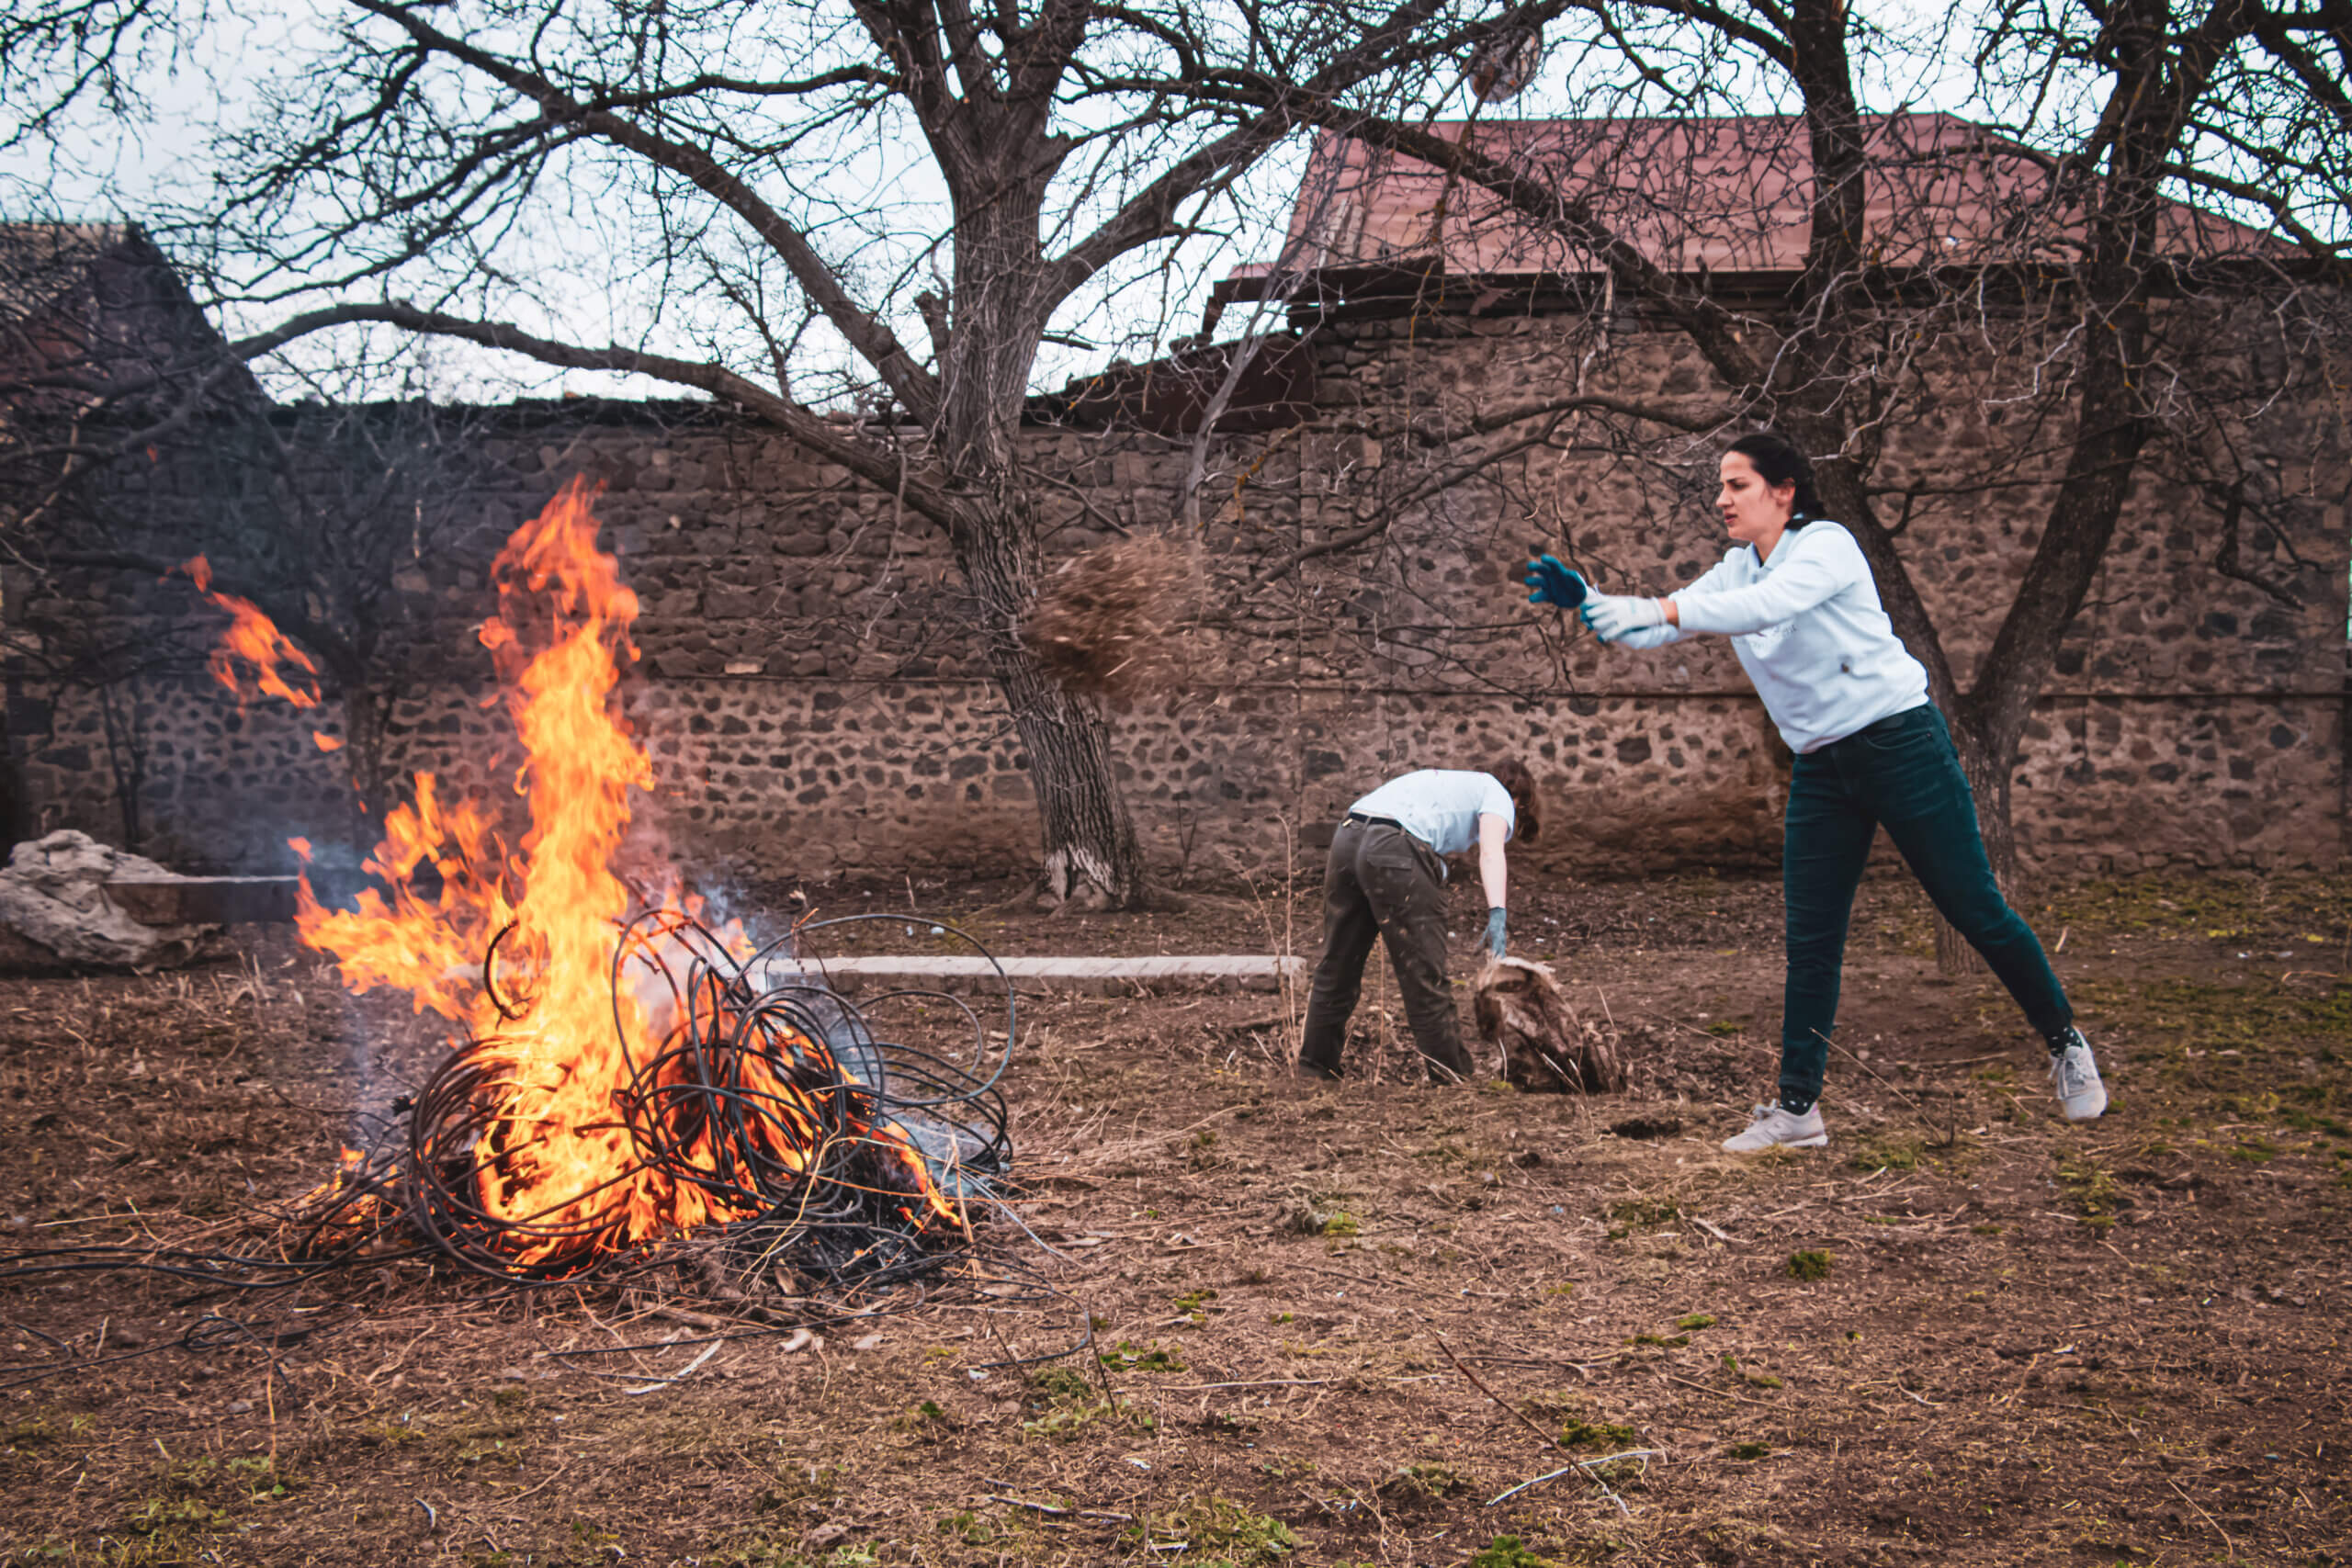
1539	1041
1114	622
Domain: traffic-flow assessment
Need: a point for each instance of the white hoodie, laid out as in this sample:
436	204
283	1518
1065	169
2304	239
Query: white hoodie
1810	632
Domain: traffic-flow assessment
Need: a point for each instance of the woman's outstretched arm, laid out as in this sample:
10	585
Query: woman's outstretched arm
1823	562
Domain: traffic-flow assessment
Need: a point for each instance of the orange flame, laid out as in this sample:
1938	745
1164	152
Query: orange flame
561	1150
253	641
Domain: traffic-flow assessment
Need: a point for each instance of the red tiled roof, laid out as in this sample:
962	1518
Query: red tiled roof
1712	195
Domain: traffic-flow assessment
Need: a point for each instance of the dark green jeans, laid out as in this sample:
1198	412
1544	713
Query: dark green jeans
1383	882
1902	773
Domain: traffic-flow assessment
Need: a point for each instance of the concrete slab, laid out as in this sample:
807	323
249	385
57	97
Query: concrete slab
1164	972
233	899
227	901
204	900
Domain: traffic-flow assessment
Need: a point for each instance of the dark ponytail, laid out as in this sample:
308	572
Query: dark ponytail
1512	775
1781	463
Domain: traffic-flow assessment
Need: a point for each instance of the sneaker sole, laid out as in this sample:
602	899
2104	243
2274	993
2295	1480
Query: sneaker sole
1820	1142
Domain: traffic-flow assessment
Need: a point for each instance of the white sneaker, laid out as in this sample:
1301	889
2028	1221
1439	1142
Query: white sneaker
1777	1129
2075	1076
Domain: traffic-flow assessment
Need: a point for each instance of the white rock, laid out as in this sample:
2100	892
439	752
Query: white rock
53	894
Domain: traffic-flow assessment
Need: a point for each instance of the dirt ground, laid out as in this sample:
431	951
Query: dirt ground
1371	1322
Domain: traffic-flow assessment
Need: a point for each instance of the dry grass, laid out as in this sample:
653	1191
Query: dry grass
1536	1035
1114	622
2040	1343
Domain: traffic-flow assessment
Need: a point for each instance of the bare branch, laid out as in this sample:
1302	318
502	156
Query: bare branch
865	332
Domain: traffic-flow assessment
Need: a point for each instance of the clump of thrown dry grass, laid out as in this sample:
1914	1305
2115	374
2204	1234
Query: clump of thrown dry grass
1116	621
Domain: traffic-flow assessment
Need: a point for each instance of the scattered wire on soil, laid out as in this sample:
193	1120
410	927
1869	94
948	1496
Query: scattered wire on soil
822	1152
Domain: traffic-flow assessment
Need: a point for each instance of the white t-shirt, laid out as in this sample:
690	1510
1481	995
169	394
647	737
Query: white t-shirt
1441	807
1810	632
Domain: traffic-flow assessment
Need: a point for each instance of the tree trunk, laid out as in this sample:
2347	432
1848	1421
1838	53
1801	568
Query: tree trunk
126	737
998	166
1987	761
365	708
1092	856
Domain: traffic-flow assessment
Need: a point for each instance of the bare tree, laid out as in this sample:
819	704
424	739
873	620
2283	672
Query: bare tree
322	516
842	177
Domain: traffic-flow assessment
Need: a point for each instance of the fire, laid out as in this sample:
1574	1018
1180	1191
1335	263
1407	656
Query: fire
585	1125
251	642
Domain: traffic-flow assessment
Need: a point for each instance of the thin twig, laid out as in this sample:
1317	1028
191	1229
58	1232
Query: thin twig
1719	1393
1950	1131
1548	1440
1584	1467
2203	1515
1055	1509
656	1384
1548	1475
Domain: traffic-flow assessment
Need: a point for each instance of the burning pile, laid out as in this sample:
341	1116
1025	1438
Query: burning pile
767	1120
622	1076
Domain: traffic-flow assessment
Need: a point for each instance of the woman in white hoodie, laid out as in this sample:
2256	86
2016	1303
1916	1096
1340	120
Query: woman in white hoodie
1796	597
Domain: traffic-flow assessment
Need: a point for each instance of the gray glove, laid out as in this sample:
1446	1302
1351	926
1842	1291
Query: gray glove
1496	922
1612	615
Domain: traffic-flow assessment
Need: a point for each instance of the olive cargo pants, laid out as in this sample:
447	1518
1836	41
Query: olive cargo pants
1383	882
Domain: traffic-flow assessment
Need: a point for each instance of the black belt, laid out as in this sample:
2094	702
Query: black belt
1358	817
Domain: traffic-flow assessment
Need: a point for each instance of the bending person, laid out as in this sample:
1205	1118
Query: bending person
1386	878
1797	599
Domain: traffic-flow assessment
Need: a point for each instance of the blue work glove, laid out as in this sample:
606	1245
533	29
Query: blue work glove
1612	615
1549	582
1496	920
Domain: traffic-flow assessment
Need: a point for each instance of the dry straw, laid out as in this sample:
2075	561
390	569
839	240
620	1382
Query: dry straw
1116	622
1539	1041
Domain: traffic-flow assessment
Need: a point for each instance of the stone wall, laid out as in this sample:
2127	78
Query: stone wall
814	706
815	779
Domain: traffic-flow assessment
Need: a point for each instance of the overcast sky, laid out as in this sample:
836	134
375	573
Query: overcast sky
576	266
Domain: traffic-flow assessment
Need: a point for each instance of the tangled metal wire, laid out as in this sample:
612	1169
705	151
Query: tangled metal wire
828	1149
838	1147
